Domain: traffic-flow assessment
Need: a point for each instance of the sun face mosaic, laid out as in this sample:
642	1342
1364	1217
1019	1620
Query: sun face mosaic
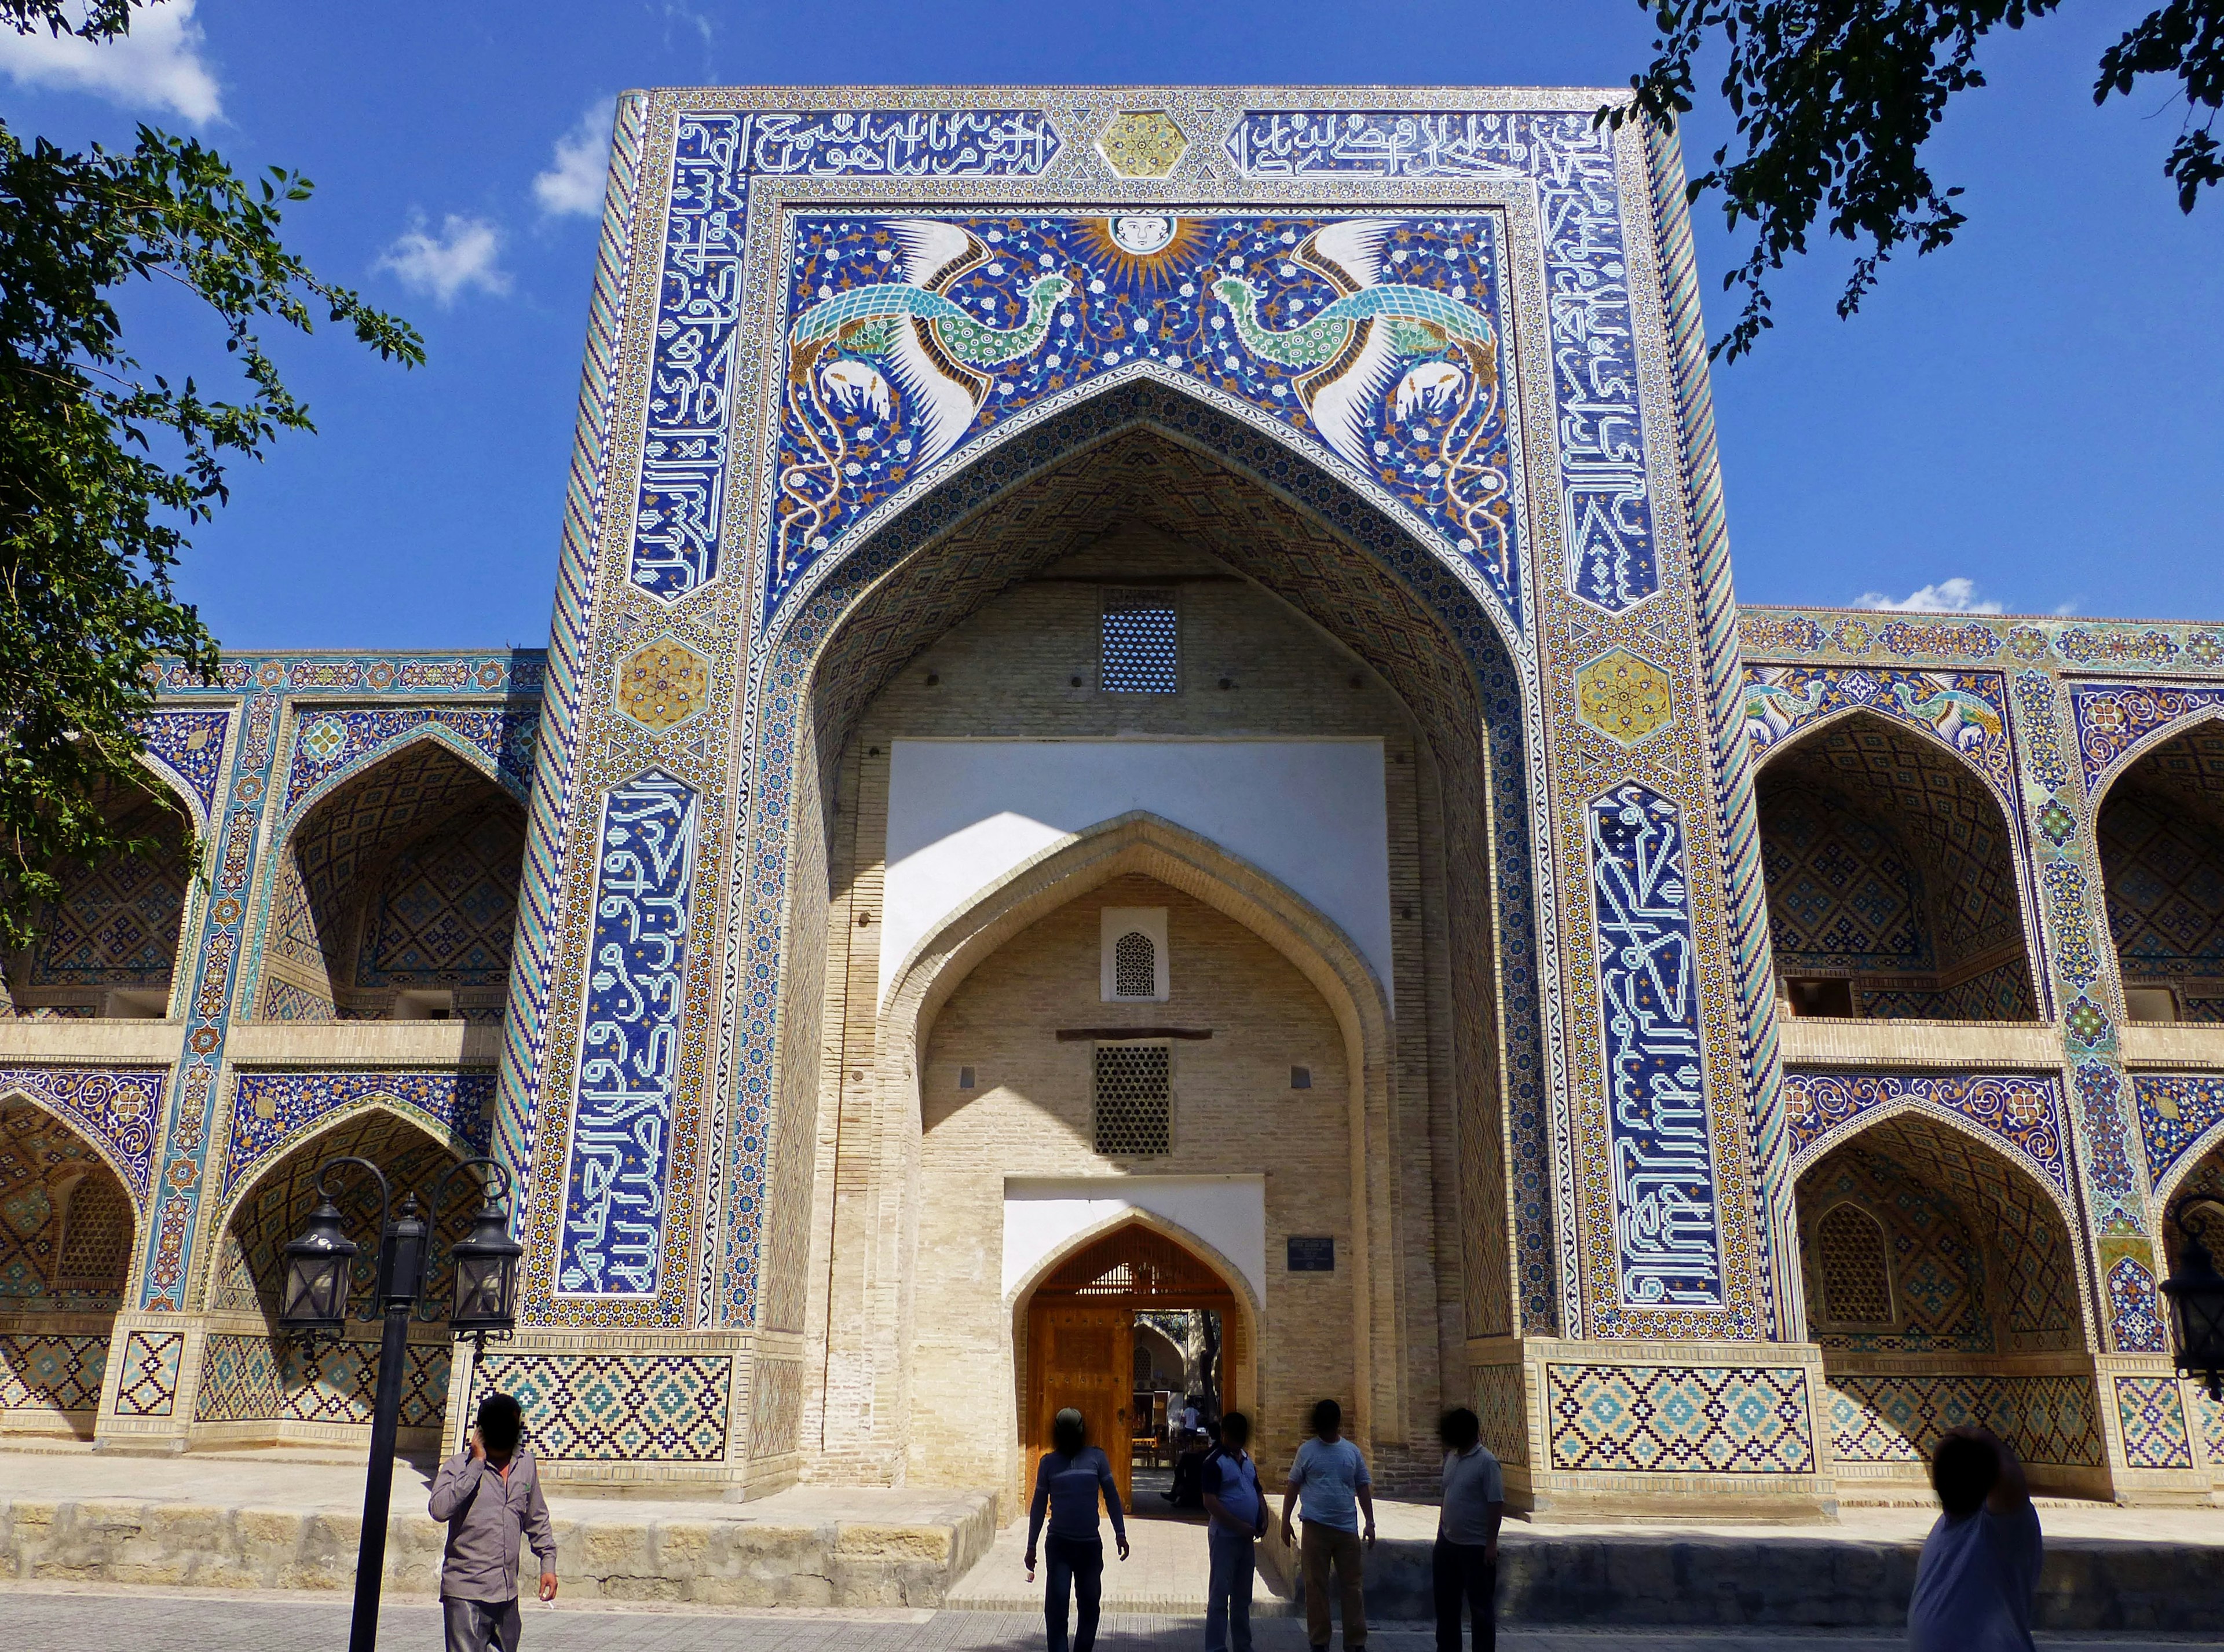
1381	339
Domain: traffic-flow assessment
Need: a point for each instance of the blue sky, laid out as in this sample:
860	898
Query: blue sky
2029	412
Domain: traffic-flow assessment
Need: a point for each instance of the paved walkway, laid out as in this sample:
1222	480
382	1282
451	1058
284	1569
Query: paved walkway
59	1619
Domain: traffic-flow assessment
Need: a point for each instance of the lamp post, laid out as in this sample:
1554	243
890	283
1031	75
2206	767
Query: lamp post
2196	1300
313	1302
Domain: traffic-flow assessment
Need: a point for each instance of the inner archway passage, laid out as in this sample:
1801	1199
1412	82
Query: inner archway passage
106	943
1892	881
1081	1327
2162	864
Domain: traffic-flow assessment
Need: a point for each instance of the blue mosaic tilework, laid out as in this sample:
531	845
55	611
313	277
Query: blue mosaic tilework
2177	1112
2152	1412
118	1110
1900	1417
1975	639
1383	338
616	1407
1965	711
343	738
260	1379
189	744
629	1068
512	671
1666	1242
1666	1418
2113	718
2210	1414
2134	1309
2024	1111
51	1373
677	531
149	1384
1612	557
268	1110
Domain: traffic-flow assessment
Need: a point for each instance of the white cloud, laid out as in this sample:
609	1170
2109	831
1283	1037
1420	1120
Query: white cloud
575	183
157	66
463	255
1954	596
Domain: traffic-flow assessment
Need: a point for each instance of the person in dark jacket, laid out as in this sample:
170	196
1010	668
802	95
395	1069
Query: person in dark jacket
1068	1482
489	1496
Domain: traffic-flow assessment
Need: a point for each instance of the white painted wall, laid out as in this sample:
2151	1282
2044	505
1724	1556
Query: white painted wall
963	814
1042	1214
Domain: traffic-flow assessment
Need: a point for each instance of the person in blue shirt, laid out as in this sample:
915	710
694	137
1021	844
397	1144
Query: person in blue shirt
1978	1578
1068	1482
1235	1514
1331	1477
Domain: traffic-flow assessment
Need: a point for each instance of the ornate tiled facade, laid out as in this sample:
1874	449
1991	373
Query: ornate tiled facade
1427	369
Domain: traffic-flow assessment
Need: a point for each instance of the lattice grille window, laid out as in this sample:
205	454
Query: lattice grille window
1135	1100
1140	656
96	1236
1134	966
1856	1278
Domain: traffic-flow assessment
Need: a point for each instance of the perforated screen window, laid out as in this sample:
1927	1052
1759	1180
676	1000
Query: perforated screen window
1140	647
1134	966
1856	1282
1135	1100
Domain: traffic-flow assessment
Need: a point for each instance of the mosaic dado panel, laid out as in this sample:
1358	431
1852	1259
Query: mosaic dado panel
118	1110
1662	1419
2025	1111
2151	1410
270	1111
1501	1404
616	1407
149	1384
775	1407
1899	1418
258	1379
51	1373
2176	1112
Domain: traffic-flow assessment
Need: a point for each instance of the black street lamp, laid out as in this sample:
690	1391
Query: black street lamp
2196	1300
312	1303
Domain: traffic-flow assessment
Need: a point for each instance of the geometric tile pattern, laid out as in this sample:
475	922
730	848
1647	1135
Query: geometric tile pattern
1501	1400
1659	1419
616	1407
2163	864
2152	1412
189	744
271	1108
1843	893
51	1373
447	905
1142	143
117	1107
2024	1109
1623	696
2112	718
344	739
775	1407
116	922
1936	1267
254	1379
44	1168
2175	1111
1899	1417
663	684
149	1384
2211	1414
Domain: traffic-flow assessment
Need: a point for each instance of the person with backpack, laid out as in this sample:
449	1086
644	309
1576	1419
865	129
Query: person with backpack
1235	1513
1071	1478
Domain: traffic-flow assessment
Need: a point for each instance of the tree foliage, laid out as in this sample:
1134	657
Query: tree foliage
104	467
1834	101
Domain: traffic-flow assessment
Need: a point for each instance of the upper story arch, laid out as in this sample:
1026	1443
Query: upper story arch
2159	824
393	893
1895	886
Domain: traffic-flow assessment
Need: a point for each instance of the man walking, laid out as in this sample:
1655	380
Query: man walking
1331	1477
1463	1566
1979	1573
1235	1513
489	1494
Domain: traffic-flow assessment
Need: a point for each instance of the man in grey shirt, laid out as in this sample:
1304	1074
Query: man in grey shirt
1463	1567
489	1494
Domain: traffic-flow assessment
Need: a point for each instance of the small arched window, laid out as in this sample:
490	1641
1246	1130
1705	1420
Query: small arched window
1134	966
1856	1274
1132	942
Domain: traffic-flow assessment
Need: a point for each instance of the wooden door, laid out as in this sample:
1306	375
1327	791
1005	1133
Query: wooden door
1084	1358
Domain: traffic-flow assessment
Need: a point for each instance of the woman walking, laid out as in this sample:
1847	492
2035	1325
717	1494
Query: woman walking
1067	1483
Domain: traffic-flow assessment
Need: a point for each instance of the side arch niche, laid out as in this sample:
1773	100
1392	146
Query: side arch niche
1943	1283
253	1385
395	897
2205	1176
977	617
107	941
1892	889
68	1231
2161	830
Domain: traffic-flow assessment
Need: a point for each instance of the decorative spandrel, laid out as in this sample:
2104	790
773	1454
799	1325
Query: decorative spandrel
1667	1247
612	1239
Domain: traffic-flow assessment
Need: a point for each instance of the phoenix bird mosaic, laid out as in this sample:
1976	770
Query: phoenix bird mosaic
1377	338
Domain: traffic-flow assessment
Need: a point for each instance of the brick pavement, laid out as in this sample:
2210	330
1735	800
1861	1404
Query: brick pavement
48	1618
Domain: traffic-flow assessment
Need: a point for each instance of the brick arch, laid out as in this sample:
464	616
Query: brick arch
1177	466
1889	859
116	923
329	916
46	1164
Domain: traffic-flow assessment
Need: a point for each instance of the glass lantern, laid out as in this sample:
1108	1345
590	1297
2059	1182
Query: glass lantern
319	1268
2197	1312
486	1261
